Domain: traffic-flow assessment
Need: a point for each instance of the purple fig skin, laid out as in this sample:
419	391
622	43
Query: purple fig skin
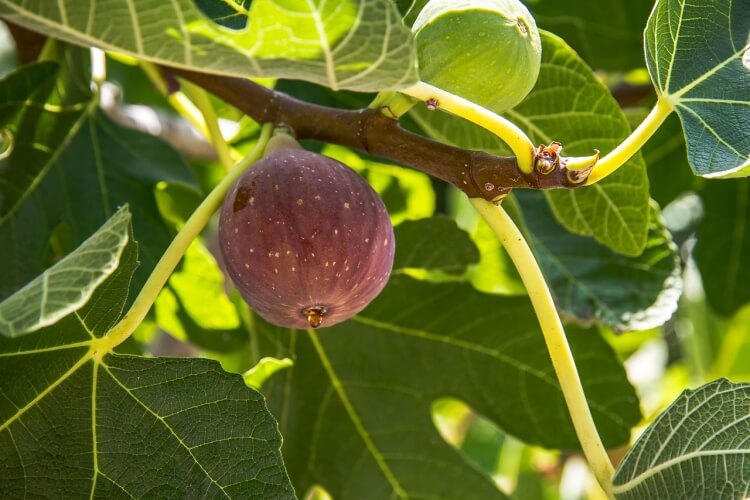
305	239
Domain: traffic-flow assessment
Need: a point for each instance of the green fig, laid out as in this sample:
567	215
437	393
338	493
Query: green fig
486	51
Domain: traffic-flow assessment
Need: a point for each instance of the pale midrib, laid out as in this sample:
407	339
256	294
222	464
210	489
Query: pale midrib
420	334
81	37
94	442
186	33
622	488
710	129
98	163
324	45
708	74
136	27
45	349
51	161
168	427
674	46
84	359
676	427
454	342
63	11
354	417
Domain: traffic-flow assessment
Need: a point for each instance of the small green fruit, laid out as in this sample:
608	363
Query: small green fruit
487	51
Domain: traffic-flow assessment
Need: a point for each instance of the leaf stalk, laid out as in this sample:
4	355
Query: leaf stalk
172	256
199	97
178	100
635	141
506	130
554	336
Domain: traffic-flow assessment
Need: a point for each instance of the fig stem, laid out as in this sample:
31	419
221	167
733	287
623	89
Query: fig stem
172	256
199	97
635	141
392	104
506	130
178	100
554	336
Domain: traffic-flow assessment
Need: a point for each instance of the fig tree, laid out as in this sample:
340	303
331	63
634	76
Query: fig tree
305	239
487	51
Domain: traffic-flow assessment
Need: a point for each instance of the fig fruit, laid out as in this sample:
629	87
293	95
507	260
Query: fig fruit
486	51
305	239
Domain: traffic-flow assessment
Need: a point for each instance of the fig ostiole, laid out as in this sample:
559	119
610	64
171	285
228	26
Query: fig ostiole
305	239
486	51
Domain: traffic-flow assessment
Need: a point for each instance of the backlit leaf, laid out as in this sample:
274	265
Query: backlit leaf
697	448
698	55
352	44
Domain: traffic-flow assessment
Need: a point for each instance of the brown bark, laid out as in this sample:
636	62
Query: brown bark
476	173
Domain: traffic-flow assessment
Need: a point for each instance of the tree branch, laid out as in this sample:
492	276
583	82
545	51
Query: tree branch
476	173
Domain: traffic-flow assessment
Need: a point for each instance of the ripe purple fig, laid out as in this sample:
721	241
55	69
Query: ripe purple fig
305	239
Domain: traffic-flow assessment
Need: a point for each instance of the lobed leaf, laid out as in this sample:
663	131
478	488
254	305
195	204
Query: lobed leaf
76	422
73	176
571	106
347	44
591	282
697	448
698	56
68	285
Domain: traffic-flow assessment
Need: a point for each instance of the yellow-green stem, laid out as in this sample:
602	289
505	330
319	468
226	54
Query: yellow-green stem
178	100
506	130
199	97
393	104
635	141
562	358
176	249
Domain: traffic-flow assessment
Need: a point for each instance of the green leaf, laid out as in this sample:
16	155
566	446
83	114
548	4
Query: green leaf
348	44
571	106
95	168
591	282
415	248
407	194
724	244
76	422
697	448
69	284
607	34
355	409
698	56
40	105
